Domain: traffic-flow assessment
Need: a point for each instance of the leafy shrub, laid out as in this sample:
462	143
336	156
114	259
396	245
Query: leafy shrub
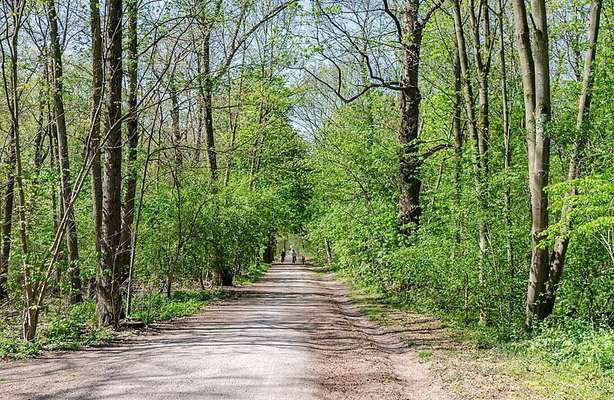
75	328
573	344
156	307
14	346
252	274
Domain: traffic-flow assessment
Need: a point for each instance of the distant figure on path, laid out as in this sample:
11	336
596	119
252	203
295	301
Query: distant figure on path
293	252
283	254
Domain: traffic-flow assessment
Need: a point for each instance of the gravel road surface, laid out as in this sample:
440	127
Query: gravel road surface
293	335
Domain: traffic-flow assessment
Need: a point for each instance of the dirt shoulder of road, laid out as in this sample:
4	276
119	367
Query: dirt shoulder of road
469	370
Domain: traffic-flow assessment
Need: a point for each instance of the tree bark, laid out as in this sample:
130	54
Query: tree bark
409	157
269	251
533	57
482	42
234	126
108	306
7	216
177	138
133	139
62	138
58	209
329	251
97	88
206	88
12	94
539	171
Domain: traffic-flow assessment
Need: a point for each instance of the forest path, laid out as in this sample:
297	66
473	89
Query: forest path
293	335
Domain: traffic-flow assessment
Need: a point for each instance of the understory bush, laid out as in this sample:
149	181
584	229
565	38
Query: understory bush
252	274
71	327
149	308
571	343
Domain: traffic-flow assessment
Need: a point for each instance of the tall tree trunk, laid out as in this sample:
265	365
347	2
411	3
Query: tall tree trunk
133	139
11	85
199	130
559	252
533	57
409	157
97	88
206	89
482	42
231	148
65	183
39	140
540	170
7	216
177	138
108	306
482	55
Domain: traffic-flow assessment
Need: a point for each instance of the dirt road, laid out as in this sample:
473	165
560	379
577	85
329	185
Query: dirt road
294	335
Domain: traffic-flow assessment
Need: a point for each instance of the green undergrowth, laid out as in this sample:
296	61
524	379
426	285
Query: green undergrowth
69	329
561	359
252	274
150	308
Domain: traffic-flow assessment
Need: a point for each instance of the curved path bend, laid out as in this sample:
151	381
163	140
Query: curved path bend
293	335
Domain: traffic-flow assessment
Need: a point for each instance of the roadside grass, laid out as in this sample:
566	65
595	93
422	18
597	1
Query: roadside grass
73	327
556	363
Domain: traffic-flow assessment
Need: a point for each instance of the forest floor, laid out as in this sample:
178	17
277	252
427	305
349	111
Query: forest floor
293	335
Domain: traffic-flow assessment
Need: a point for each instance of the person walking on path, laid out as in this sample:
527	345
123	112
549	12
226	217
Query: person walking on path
283	254
293	252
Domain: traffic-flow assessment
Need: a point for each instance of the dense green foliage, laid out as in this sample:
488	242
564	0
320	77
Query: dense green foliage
436	270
